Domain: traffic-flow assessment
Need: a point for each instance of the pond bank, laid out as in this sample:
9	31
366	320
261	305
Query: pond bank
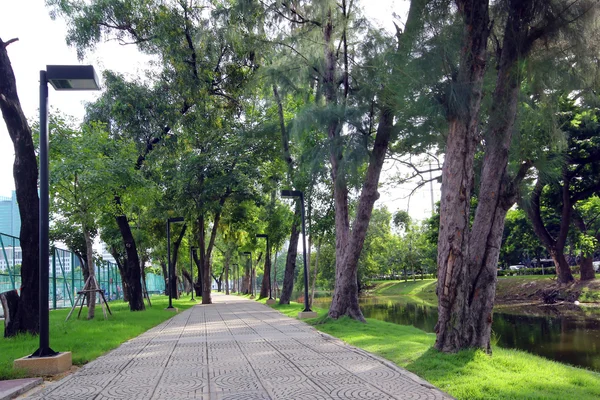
512	293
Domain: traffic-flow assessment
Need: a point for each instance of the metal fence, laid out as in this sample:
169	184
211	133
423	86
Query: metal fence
66	276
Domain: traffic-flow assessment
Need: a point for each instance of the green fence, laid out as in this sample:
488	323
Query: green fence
66	276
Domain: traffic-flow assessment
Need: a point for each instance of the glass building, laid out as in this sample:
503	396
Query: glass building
10	220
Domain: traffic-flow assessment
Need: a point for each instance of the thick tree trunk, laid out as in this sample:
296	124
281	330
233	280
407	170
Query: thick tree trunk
586	268
131	267
468	260
25	173
563	270
91	273
290	263
453	331
265	287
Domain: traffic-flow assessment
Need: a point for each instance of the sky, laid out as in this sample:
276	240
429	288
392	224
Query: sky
42	42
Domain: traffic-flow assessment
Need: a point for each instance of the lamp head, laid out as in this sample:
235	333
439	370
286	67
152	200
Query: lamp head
176	219
262	235
72	77
291	193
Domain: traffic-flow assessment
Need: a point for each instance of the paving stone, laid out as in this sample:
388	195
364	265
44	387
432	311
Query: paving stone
238	349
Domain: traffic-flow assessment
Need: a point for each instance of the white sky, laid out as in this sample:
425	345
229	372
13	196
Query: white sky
42	42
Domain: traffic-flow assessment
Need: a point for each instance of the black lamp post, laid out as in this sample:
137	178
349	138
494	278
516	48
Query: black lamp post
249	254
192	251
268	257
298	194
171	272
61	77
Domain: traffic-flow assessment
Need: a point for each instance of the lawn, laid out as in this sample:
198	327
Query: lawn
87	340
507	374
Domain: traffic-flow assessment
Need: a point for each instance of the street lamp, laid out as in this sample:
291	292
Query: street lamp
268	260
251	286
171	272
307	313
61	77
192	251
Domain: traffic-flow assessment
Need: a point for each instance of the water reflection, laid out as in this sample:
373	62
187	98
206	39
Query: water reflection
573	340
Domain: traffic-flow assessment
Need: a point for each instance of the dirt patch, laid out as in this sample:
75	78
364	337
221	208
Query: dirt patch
510	291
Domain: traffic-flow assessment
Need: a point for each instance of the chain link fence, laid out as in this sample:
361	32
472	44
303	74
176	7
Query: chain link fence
66	275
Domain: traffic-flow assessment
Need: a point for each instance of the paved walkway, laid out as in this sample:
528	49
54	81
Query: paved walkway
237	349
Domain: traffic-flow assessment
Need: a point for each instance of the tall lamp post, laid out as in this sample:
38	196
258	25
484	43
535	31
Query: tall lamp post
307	313
61	77
268	260
192	251
171	272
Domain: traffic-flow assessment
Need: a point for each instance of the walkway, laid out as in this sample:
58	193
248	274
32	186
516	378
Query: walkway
237	349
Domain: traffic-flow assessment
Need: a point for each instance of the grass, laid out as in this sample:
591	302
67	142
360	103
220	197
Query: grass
422	289
87	340
507	374
589	296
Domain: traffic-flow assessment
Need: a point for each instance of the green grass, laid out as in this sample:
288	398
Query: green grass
423	289
507	374
589	296
87	340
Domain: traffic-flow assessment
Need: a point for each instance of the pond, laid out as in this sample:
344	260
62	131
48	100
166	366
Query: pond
572	339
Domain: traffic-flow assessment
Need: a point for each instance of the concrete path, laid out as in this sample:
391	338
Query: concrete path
238	349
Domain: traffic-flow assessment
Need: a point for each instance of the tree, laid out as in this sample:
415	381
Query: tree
468	253
84	164
25	172
577	178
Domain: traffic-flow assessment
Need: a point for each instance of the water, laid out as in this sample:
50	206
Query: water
573	339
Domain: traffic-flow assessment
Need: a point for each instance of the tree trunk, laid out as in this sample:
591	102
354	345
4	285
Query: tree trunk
227	276
198	285
10	305
563	270
453	330
586	268
131	267
165	272
174	257
314	282
554	246
349	244
85	272
275	286
467	260
25	173
265	288
290	263
91	272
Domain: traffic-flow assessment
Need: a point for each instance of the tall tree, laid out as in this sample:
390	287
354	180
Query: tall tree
25	173
468	252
